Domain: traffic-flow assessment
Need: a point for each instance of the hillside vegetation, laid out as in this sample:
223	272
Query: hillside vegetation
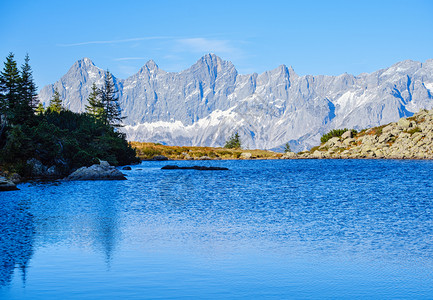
51	142
147	151
409	138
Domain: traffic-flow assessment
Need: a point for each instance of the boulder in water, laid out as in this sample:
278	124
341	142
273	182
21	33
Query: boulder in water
101	171
7	185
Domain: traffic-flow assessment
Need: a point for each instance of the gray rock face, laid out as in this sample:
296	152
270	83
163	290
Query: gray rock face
38	170
406	139
205	104
103	171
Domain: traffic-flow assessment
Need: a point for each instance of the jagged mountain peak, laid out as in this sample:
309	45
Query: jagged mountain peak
151	65
404	65
84	63
211	60
205	103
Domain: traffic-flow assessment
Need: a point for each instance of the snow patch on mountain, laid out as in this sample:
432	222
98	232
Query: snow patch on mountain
204	104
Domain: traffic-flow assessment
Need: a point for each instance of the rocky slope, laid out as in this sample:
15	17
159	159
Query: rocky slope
205	104
409	138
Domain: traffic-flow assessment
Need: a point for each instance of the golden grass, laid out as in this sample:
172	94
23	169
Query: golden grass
149	150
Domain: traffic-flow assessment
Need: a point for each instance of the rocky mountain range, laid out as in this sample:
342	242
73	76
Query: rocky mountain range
205	104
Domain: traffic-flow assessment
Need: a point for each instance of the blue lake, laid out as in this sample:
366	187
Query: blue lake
264	229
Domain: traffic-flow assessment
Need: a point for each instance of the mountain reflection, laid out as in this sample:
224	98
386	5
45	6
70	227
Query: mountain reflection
16	239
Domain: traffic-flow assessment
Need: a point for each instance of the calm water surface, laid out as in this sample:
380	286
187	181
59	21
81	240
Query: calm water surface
264	229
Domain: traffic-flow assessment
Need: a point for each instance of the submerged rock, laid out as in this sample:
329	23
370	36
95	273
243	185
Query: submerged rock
200	168
7	185
101	171
127	168
160	157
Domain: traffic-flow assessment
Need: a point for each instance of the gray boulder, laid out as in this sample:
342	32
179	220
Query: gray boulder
101	171
38	170
348	134
246	155
15	178
205	157
7	185
403	123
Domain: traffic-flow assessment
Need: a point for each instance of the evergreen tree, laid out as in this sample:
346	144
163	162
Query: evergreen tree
9	90
112	113
287	148
95	108
55	103
28	95
40	109
234	142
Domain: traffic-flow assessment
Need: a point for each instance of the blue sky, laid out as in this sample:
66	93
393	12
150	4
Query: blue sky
315	37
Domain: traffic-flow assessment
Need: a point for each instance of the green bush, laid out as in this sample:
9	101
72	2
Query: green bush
335	133
66	140
413	130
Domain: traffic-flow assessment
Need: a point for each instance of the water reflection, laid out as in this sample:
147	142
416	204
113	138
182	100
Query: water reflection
158	229
16	239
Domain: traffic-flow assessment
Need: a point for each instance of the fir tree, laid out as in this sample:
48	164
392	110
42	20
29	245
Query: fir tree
234	142
40	109
28	95
95	108
55	103
9	90
112	112
287	148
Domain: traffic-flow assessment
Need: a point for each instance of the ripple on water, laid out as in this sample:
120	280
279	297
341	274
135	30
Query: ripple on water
263	228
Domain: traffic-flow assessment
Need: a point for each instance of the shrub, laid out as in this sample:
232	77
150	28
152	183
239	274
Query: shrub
413	130
335	133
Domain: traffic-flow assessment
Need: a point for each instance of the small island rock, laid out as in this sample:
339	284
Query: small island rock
101	171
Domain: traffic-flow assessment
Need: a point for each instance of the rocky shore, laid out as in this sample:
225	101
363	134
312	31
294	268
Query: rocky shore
409	138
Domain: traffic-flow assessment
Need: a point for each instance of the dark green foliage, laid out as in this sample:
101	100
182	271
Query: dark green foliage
56	137
287	148
66	140
28	93
112	113
335	133
234	142
9	90
95	108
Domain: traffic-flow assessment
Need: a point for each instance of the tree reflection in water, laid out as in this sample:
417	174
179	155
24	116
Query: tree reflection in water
16	239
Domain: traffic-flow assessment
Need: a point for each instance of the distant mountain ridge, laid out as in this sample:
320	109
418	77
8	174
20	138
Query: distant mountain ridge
204	104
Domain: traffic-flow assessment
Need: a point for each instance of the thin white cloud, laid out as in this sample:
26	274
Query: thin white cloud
115	41
129	58
200	45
